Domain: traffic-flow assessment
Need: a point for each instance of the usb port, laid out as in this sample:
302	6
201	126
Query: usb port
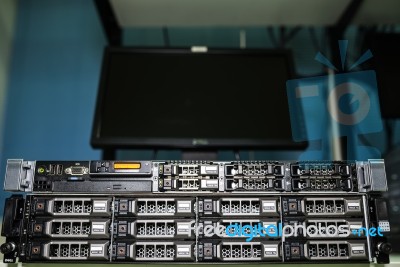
59	169
53	168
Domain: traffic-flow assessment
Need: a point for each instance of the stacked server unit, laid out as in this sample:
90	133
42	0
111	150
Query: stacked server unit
195	211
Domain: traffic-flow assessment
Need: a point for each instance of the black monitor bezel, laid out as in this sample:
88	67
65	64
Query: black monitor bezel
185	143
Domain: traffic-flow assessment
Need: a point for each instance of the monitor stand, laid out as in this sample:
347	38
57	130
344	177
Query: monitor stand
199	155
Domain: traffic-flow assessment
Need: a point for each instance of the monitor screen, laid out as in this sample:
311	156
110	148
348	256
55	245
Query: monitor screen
160	98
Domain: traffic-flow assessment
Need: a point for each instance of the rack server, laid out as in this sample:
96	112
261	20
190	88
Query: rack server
195	211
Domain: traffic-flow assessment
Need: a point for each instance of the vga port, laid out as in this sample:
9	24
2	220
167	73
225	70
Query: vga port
77	170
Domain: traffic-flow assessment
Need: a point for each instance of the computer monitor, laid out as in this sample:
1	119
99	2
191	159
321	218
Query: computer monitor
181	99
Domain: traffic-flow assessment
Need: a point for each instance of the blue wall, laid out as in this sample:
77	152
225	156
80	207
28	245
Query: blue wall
53	81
